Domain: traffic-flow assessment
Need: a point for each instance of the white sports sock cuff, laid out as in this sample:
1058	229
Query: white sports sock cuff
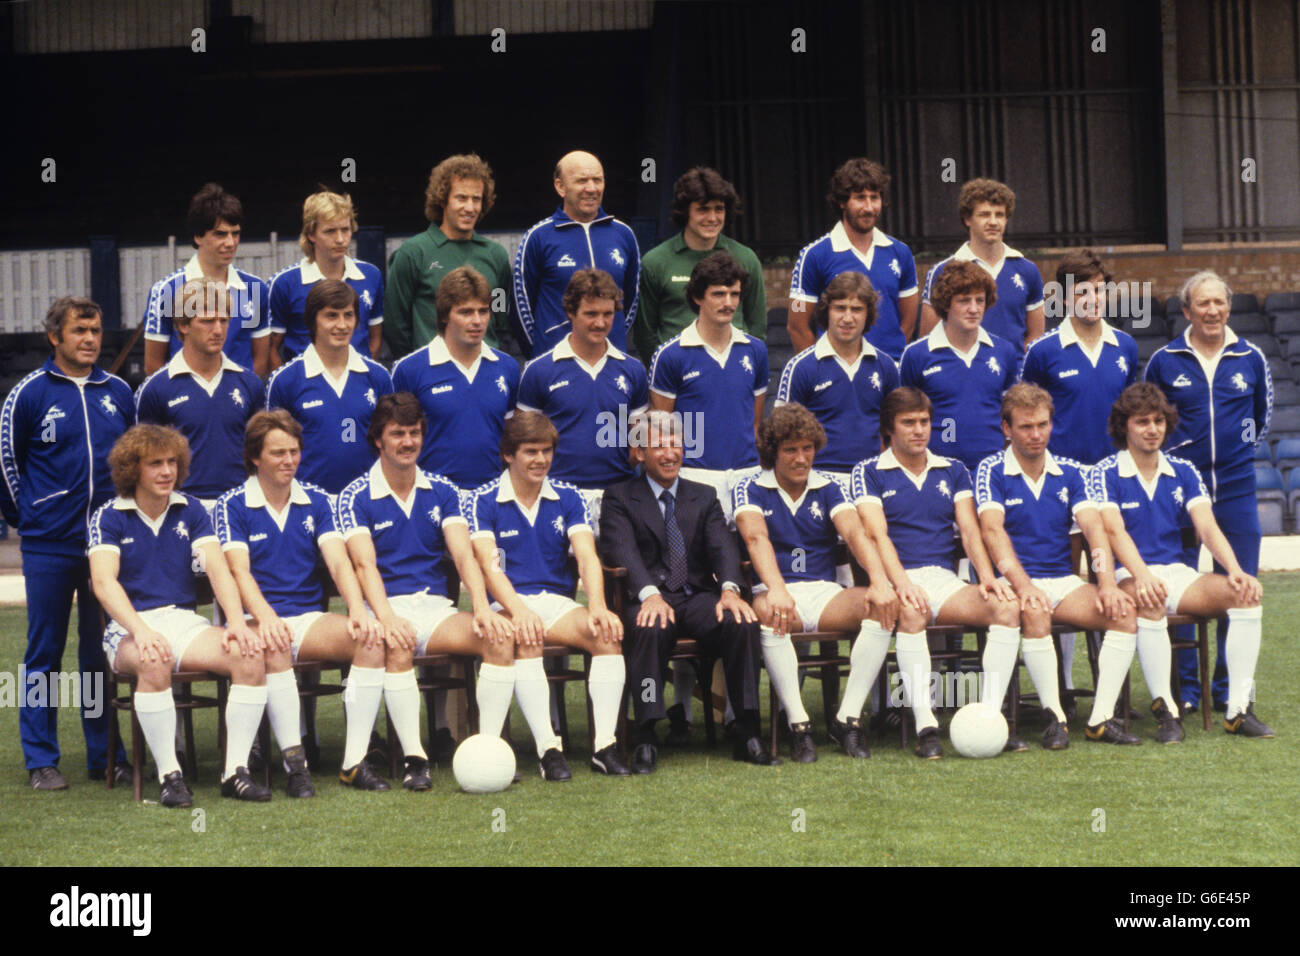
769	638
496	673
1001	634
608	669
529	668
869	628
366	676
154	701
273	681
912	642
1245	613
1159	624
1038	645
1120	640
247	694
400	680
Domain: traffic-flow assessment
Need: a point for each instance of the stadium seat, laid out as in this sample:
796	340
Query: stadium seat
1265	343
1286	324
1285	393
1250	324
1263	452
1280	369
1292	350
1276	302
1287	455
777	332
1267	478
1271	499
1173	309
1148	345
1243	302
1286	421
1272	515
1293	496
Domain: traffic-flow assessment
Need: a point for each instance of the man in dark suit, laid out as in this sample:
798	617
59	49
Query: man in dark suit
683	565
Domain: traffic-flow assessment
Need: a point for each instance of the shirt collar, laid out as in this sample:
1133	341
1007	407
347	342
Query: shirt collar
840	238
565	351
1184	342
128	504
1011	464
1068	336
440	238
887	460
938	338
178	365
823	349
562	218
312	364
691	335
1127	467
255	498
193	271
95	375
379	487
439	353
657	489
967	254
506	489
767	478
311	273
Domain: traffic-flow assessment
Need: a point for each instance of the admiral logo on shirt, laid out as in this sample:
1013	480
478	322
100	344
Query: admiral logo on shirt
107	404
237	397
435	264
509	533
436	390
314	403
1239	382
566	260
993	365
932	370
821	385
1130	504
178	400
1182	381
1067	373
889	494
560	384
54	412
690	375
617	257
260	536
1011	502
382	525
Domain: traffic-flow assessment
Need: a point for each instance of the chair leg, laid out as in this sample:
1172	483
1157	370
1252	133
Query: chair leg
137	757
1125	704
1013	698
223	695
110	770
591	714
471	696
562	709
830	681
710	725
394	768
191	754
774	708
1203	652
264	738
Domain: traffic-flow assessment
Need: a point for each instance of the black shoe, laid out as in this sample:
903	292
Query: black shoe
376	752
554	767
606	761
1111	732
47	778
299	783
241	786
442	748
679	728
645	758
802	748
848	734
1014	745
1246	724
751	750
1169	727
928	746
174	792
256	762
1057	734
363	777
416	775
122	773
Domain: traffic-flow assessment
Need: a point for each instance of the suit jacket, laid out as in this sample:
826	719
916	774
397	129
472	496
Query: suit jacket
633	535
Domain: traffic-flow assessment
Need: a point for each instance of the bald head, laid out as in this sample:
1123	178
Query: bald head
580	182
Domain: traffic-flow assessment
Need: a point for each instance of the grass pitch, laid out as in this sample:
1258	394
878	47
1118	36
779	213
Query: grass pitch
1214	800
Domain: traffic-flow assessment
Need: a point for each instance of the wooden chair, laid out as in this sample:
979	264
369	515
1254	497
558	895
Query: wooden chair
1202	645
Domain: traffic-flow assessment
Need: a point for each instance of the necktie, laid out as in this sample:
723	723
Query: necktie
676	579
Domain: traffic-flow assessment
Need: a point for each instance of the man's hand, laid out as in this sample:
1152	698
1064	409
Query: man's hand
1113	602
655	612
730	601
997	589
364	628
605	626
914	597
1033	598
153	646
1248	588
248	643
884	599
529	628
1151	591
398	632
782	607
492	627
275	634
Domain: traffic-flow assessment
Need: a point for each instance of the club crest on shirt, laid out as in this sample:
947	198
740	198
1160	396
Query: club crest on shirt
621	383
1239	382
247	310
746	364
1064	495
894	268
1178	495
435	515
944	489
501	384
815	510
1122	362
1018	282
558	525
617	257
309	524
106	403
237	397
875	381
366	298
370	397
182	531
994	366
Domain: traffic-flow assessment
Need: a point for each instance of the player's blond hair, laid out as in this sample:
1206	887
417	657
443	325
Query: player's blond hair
137	444
323	206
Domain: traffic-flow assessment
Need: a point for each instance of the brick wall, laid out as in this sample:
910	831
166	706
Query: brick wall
1250	268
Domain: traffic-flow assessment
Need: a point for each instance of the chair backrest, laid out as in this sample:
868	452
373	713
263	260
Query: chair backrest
1263	453
1286	324
1267	478
1250	324
1276	302
1272	516
1244	302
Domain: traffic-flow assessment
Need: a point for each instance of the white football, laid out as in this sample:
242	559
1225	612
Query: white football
483	763
978	731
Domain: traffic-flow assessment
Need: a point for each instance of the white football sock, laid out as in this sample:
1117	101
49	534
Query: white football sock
914	666
783	670
361	696
1113	662
534	695
402	695
1040	661
684	686
496	685
1067	655
1156	657
999	664
868	654
244	708
1242	652
605	686
283	710
156	711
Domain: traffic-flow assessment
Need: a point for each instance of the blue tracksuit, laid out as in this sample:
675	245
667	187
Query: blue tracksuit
1218	426
55	436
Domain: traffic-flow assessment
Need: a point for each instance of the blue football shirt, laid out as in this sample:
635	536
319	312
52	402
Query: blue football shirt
155	557
1020	289
249	297
533	544
1037	515
920	509
1154	515
287	300
802	530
